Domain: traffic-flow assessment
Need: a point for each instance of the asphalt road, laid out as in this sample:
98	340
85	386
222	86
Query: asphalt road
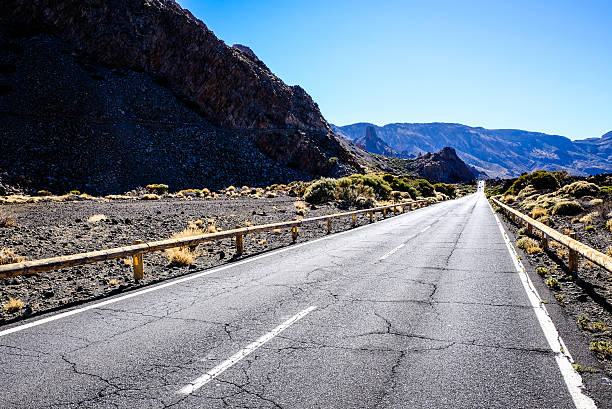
423	310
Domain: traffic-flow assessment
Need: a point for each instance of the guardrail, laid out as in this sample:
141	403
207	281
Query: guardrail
575	247
137	249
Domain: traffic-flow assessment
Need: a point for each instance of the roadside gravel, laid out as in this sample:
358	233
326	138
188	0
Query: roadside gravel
48	229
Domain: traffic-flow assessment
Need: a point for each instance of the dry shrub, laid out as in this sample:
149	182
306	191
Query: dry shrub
150	196
538	212
276	231
262	242
562	253
588	219
567	208
6	221
300	208
609	252
8	256
609	224
13	305
529	245
96	218
579	189
180	256
112	282
184	255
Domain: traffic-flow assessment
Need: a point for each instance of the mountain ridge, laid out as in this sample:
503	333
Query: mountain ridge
497	152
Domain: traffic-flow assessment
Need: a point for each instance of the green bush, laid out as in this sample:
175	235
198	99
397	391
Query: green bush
382	189
540	180
321	191
567	208
401	185
157	188
354	194
425	188
606	190
447	189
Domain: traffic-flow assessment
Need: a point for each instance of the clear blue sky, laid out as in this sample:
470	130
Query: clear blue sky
536	65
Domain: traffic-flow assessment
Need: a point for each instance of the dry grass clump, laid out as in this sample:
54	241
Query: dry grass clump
8	256
276	231
567	208
150	196
112	282
185	255
96	218
609	224
13	305
602	348
262	242
529	245
588	219
300	208
180	256
508	199
579	189
538	212
609	252
8	222
589	228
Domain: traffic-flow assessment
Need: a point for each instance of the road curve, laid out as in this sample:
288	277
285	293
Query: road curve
422	310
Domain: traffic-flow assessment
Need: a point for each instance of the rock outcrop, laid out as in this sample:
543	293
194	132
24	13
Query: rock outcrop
443	166
370	142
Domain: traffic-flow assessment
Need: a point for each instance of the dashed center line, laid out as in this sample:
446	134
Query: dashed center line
400	246
244	352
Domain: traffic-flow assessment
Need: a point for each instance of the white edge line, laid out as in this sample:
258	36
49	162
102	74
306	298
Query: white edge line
188	278
244	352
564	359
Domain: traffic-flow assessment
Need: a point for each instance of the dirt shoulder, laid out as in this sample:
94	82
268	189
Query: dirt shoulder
585	297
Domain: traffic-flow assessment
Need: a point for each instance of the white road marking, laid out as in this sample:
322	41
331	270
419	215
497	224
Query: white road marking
564	359
392	251
400	246
187	278
244	352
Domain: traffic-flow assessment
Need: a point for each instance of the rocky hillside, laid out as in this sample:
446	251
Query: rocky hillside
498	152
105	96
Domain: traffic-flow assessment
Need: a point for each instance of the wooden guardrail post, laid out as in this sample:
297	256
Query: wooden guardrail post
573	256
294	233
239	244
329	225
137	263
529	229
371	217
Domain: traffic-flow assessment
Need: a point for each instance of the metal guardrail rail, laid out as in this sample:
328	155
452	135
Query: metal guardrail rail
138	249
575	247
